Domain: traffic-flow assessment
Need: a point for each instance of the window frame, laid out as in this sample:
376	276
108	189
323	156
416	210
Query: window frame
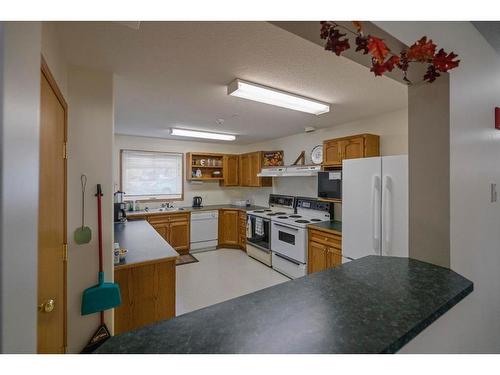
153	198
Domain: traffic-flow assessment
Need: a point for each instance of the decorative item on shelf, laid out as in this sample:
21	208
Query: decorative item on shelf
216	173
317	154
198	173
202	162
273	158
301	160
383	59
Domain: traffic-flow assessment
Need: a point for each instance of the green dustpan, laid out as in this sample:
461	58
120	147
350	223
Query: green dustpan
100	297
83	234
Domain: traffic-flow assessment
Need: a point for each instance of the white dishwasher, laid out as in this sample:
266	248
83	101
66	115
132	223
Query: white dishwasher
204	230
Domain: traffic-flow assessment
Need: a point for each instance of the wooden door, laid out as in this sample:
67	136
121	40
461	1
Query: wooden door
353	148
52	249
316	257
231	170
179	236
228	228
332	152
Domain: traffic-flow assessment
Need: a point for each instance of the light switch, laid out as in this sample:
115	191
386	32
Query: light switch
493	191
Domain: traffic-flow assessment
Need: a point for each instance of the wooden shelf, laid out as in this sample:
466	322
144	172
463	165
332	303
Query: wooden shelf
206	178
207	166
193	162
334	200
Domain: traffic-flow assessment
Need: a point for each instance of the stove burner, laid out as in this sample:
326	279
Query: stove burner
280	213
295	216
267	210
302	221
282	217
258	211
272	214
316	220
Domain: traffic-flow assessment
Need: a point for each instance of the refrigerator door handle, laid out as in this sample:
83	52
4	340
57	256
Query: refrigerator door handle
376	214
387	215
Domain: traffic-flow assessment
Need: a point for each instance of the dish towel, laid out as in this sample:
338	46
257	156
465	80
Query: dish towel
249	228
259	226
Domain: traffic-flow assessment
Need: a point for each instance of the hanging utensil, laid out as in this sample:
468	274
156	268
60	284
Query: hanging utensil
83	234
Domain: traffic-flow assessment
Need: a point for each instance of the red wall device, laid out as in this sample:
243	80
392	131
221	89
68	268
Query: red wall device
497	118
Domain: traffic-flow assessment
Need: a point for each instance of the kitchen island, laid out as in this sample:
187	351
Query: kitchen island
146	277
371	305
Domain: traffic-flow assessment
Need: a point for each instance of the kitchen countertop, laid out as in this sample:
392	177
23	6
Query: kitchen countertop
371	305
143	243
192	209
329	226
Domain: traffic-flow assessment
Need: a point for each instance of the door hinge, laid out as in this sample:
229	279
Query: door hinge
65	252
65	150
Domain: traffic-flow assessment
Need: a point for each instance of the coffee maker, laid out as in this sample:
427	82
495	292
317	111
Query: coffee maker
119	208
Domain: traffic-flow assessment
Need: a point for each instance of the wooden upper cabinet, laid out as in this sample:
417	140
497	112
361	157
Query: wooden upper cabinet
353	147
231	168
250	166
229	223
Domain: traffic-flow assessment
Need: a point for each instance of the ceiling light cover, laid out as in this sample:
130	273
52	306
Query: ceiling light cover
204	135
269	95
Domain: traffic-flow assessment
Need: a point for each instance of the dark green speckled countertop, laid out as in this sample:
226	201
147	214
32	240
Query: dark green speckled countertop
329	226
371	305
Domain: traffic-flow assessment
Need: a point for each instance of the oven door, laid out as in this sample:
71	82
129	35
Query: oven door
289	241
258	234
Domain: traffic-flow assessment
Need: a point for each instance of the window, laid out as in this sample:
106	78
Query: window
151	175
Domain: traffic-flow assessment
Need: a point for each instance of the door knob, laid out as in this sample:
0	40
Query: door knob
47	306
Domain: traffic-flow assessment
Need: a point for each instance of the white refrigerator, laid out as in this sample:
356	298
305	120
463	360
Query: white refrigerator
375	207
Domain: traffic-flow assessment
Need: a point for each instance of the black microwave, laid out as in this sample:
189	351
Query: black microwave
330	184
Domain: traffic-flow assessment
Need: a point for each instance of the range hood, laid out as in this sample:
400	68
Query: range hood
290	171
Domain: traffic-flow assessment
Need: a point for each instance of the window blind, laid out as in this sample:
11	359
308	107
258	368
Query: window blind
151	175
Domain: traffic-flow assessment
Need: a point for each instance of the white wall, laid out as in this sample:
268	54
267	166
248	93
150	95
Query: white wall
392	128
19	147
90	144
53	53
473	326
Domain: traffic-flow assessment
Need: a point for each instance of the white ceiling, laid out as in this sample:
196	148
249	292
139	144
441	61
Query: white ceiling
175	74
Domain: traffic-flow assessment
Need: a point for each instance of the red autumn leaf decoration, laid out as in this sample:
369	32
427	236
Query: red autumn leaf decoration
422	50
362	44
444	62
431	74
335	42
383	60
378	49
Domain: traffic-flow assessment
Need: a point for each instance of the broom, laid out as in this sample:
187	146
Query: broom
100	297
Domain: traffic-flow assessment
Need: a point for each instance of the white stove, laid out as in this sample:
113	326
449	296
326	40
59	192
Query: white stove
289	235
259	226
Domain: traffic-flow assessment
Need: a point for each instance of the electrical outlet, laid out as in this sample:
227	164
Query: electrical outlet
493	192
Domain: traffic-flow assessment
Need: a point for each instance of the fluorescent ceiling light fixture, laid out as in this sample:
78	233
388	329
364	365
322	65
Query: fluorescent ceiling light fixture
204	135
269	95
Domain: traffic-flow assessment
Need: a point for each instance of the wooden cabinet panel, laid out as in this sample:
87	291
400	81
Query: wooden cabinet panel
324	250
356	146
352	148
316	258
331	152
333	257
244	170
179	236
229	233
242	230
175	228
231	170
148	295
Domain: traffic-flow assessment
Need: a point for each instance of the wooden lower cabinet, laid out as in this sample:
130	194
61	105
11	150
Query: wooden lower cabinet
232	228
324	250
229	228
148	294
175	228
